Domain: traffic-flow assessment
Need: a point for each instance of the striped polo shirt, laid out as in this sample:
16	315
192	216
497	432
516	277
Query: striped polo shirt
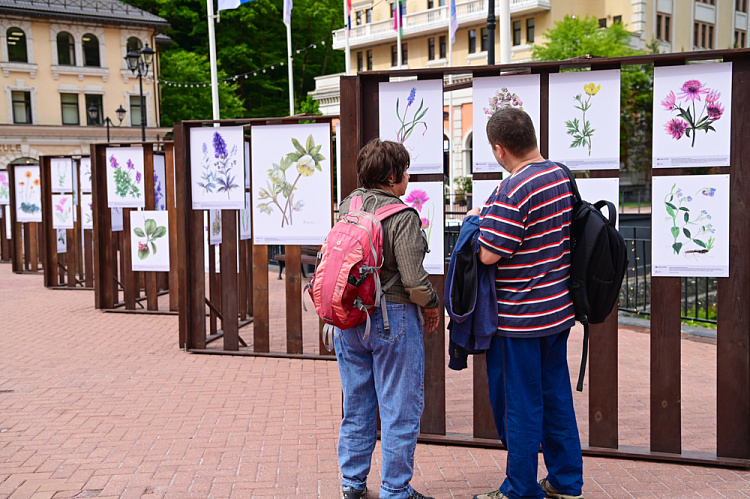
526	221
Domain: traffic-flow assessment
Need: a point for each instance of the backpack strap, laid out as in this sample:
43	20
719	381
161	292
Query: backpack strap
584	356
355	204
390	209
573	185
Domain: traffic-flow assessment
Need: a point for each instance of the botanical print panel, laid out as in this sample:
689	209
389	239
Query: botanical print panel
87	212
584	119
214	227
497	92
482	190
206	237
61	174
428	199
7	222
291	183
692	115
411	112
62	241
246	227
160	182
116	218
28	194
125	186
149	240
4	188
690	226
216	167
607	189
85	167
246	148
62	211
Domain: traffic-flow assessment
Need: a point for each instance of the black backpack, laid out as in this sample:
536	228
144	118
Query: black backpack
597	264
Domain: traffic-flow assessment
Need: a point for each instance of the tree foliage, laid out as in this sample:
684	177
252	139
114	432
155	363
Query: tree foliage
248	39
575	37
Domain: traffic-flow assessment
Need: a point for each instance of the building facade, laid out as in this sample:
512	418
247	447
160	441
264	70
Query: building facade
675	25
58	60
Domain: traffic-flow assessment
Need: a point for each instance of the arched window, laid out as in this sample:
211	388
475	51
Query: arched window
66	54
134	44
16	45
90	50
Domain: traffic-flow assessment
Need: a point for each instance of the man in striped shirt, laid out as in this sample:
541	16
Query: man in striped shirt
525	230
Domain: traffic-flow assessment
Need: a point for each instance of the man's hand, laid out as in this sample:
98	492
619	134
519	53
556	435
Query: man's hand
474	211
431	319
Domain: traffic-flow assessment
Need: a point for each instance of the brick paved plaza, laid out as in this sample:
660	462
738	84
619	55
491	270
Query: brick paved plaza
101	405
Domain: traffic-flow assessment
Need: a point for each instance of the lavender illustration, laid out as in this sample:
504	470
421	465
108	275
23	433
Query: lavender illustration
408	124
306	160
688	120
126	184
582	131
217	171
158	193
503	98
688	227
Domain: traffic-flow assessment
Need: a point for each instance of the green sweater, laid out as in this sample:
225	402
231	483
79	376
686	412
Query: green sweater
404	249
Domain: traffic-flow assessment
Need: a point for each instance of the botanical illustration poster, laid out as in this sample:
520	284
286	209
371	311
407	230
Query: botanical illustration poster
160	182
584	119
481	191
214	226
62	211
690	226
595	189
216	167
7	222
207	236
497	92
87	212
291	177
427	198
4	188
28	194
85	167
692	115
62	241
116	219
411	112
149	240
246	148
246	226
125	187
61	174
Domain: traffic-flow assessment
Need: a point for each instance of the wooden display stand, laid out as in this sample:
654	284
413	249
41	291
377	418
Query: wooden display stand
28	250
236	300
6	243
359	124
112	259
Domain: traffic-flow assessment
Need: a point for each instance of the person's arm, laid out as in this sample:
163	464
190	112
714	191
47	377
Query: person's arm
501	229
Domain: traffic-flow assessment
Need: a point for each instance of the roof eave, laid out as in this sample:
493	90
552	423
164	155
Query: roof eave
158	25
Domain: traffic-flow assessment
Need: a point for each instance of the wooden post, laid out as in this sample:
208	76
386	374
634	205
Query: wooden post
293	255
152	290
51	277
104	255
169	197
229	303
260	299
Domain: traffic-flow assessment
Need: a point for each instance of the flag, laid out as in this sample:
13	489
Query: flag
231	4
398	22
288	12
454	21
348	7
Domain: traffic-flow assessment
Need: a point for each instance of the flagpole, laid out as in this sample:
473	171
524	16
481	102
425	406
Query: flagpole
505	31
212	56
291	69
347	54
451	175
397	17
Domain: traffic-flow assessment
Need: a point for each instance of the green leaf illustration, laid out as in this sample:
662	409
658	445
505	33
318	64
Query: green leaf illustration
686	232
138	232
699	243
677	247
153	247
150	226
675	231
143	253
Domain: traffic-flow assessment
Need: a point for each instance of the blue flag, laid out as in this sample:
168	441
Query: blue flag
231	4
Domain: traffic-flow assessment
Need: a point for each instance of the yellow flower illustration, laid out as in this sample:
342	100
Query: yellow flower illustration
592	88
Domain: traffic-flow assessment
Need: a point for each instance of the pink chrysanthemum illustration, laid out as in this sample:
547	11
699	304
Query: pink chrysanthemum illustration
668	102
692	90
676	128
689	117
416	199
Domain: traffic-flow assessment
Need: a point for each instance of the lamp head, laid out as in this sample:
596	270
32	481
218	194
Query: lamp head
147	53
93	112
132	59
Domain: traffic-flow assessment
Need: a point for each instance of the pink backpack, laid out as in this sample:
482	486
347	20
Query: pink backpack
346	285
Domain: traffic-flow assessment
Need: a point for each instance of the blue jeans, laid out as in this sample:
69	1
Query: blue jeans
384	372
532	403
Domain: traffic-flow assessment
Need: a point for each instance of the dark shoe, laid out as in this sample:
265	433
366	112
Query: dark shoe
352	493
495	494
553	493
417	495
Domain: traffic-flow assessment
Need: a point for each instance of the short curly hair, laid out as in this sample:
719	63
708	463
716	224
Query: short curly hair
378	160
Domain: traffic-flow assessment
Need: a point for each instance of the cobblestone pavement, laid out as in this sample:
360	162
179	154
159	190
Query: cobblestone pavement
96	404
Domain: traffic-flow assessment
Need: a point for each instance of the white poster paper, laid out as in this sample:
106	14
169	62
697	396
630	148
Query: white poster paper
216	169
692	115
595	189
482	190
62	241
206	245
62	211
149	240
76	190
411	112
246	148
61	174
690	226
125	185
428	199
116	219
246	227
4	188
8	232
85	174
215	228
584	119
497	92
87	212
291	174
28	194
160	182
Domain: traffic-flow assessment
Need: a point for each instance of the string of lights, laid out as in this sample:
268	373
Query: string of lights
230	79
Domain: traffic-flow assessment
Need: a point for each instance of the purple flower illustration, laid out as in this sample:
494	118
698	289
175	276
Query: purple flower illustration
425	223
668	102
713	96
408	124
417	198
502	99
124	185
689	118
676	128
412	96
708	191
137	177
714	110
216	175
220	146
113	161
692	90
130	165
687	227
205	149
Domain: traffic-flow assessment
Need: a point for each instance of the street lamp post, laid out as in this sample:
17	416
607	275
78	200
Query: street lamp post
138	63
93	112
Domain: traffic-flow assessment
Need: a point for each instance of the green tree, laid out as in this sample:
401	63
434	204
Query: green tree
575	37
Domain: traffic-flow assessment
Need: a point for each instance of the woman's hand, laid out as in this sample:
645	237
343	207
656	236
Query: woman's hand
431	319
474	211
